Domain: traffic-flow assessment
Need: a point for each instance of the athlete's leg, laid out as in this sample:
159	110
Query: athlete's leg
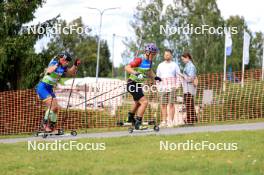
132	113
131	88
143	105
45	93
51	113
135	107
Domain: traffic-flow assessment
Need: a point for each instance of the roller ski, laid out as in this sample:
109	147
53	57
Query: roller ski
137	125
49	129
143	126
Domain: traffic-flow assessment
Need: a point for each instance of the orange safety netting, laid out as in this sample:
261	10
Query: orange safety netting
107	103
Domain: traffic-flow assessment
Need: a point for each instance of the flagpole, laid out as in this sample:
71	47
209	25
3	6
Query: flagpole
224	83
243	63
263	61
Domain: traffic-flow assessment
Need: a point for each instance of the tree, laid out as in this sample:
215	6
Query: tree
17	54
235	60
257	50
81	45
146	24
175	16
207	49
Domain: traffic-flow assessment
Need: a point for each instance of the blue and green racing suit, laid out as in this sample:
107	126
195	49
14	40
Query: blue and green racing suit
44	88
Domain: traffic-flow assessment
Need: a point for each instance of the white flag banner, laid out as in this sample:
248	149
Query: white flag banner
246	47
228	43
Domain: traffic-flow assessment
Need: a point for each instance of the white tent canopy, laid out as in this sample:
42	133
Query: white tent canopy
112	90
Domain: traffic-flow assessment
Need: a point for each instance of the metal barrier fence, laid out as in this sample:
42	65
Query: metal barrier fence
108	103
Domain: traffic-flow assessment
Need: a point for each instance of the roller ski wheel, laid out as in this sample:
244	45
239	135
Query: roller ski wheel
156	128
45	135
60	132
130	130
36	134
73	133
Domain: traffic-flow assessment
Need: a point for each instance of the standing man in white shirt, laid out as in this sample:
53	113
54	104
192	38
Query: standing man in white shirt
168	71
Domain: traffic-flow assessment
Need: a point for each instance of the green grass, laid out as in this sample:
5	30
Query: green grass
141	155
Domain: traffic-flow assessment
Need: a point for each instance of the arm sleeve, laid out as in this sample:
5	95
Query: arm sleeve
53	62
136	62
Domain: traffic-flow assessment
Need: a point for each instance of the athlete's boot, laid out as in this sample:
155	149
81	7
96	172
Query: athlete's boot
53	126
45	125
138	124
131	118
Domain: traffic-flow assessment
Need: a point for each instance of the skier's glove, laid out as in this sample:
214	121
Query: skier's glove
140	76
77	62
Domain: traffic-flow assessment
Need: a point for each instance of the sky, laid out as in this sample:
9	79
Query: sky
117	21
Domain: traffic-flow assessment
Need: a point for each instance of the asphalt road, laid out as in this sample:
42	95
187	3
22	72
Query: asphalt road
163	131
